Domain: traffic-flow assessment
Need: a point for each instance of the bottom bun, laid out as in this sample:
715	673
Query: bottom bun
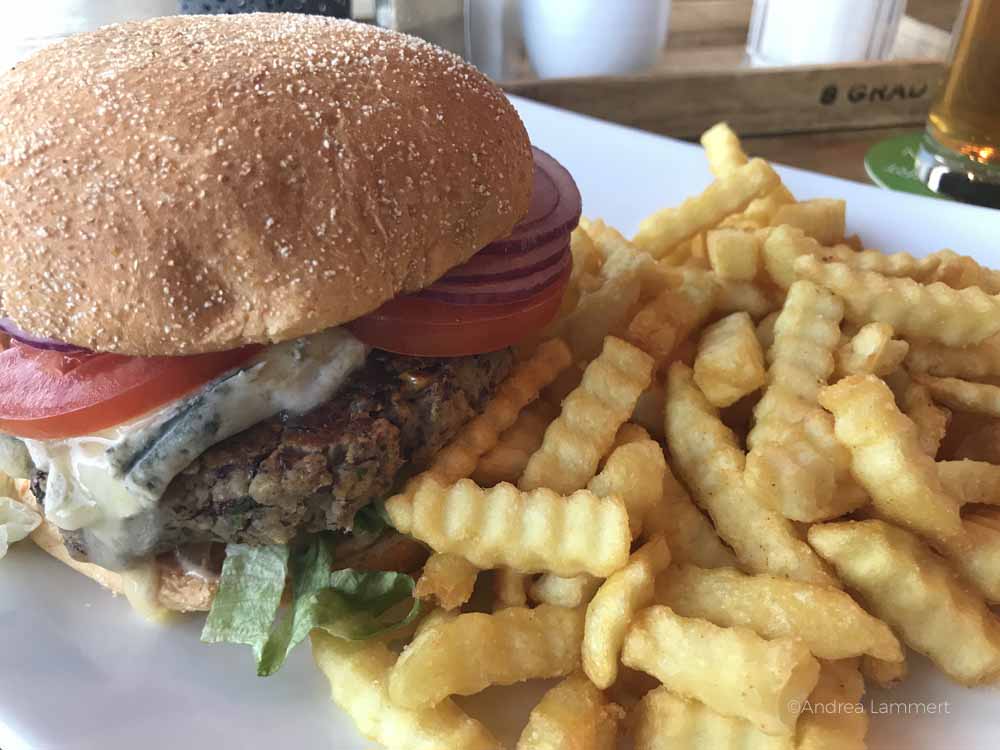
180	591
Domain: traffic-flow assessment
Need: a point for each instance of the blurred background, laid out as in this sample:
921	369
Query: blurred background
813	83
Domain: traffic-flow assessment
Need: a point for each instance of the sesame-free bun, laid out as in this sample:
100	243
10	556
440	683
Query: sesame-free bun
198	183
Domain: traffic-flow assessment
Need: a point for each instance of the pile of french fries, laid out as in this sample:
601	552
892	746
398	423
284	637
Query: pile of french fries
712	495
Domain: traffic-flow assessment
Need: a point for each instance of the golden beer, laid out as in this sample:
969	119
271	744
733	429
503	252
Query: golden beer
959	155
966	117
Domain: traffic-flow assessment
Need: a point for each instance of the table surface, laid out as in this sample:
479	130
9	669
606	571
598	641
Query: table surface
839	154
710	35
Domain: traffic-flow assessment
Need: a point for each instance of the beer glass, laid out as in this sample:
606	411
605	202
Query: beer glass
960	152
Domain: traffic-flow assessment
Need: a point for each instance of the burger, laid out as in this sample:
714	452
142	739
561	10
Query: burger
254	271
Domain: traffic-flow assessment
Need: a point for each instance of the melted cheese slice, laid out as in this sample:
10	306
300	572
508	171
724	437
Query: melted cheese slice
107	485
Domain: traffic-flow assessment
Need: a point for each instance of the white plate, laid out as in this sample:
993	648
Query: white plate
79	670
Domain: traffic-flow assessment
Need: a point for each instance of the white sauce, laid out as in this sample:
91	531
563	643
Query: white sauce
87	490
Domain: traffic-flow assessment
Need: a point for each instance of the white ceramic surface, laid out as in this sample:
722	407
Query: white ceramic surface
79	671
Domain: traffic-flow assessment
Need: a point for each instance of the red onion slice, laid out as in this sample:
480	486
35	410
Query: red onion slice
555	208
505	265
494	291
17	333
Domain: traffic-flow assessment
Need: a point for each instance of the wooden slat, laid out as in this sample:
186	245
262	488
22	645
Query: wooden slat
755	101
840	154
708	23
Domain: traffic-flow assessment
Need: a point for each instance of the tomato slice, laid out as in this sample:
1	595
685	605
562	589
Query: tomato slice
48	394
421	327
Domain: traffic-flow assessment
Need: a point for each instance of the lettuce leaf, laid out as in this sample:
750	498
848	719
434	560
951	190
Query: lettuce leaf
350	604
250	589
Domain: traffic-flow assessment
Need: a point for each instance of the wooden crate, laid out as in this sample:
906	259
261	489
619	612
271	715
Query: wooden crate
701	79
755	101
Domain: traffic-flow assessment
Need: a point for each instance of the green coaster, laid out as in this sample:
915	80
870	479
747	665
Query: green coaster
892	164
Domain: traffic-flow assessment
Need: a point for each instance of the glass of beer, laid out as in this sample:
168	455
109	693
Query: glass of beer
960	152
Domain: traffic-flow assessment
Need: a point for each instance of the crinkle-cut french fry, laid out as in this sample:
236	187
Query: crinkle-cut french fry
509	589
648	411
745	296
898	265
606	309
884	674
841	688
956	317
660	233
435	617
760	211
448	579
587	262
711	464
623	594
670	318
872	349
905	584
757	215
591	415
823	219
564	592
358	673
630	432
531	532
795	464
621	256
725	155
797	477
962	395
473	651
609	241
830	622
699	254
975	554
730	363
974	362
573	715
930	419
887	458
800	359
723	150
971	481
459	458
764	682
734	254
958	272
664	721
784	245
505	462
587	257
633	473
765	329
690	536
683	254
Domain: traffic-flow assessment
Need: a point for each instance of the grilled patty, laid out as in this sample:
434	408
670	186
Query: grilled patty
313	472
